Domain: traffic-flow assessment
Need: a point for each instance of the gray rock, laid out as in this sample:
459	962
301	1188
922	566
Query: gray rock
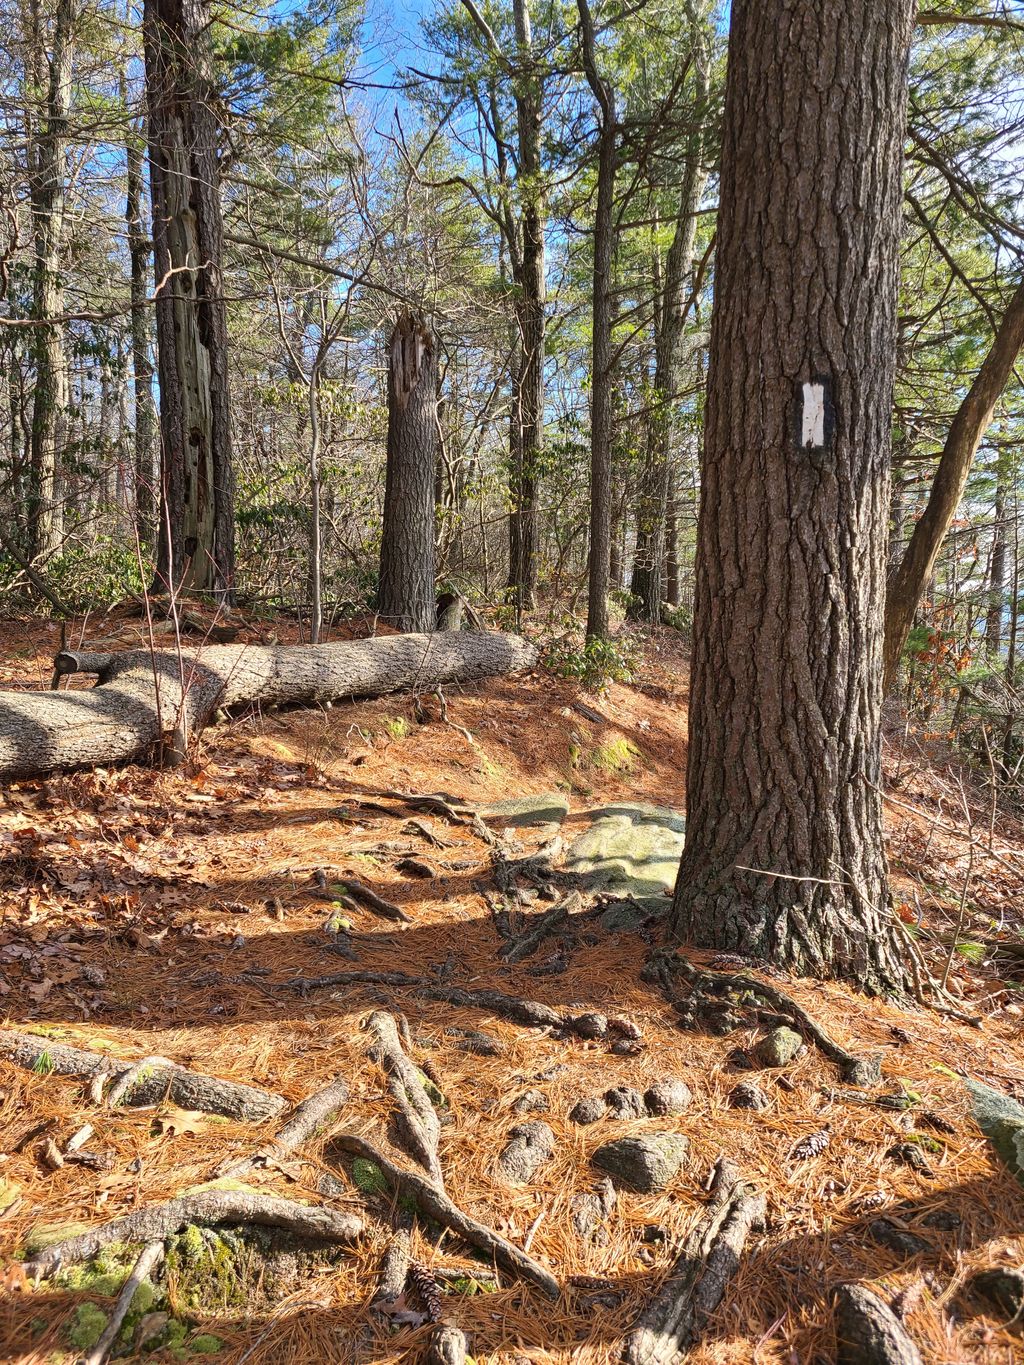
670	1096
748	1095
544	808
591	1208
590	1025
1002	1287
529	1146
626	917
779	1047
644	1163
625	1103
589	1109
531	1102
629	849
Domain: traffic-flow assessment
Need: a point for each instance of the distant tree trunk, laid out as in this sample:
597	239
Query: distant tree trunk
997	572
599	556
908	582
784	858
142	365
672	540
652	505
50	402
196	536
528	448
406	598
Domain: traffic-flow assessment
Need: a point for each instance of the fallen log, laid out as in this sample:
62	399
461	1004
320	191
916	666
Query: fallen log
312	1113
143	698
710	1257
207	1208
150	1082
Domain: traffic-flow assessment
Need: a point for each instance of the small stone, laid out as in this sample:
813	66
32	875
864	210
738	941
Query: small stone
644	1163
779	1047
589	1109
529	1146
532	1102
670	1096
627	1047
1002	1287
653	1233
748	1095
942	1220
625	1103
886	1234
590	1025
590	1208
863	1071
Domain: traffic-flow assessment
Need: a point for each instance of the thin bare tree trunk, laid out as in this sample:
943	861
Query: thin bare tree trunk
907	584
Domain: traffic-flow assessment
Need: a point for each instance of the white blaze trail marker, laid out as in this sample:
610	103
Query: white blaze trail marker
812	417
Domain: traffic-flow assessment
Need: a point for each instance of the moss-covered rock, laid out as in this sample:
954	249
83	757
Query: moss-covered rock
368	1177
87	1326
205	1344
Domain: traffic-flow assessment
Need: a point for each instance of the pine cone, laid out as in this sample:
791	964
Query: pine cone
931	1119
811	1146
428	1289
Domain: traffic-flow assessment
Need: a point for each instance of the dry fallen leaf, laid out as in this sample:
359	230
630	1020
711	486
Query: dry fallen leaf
180	1121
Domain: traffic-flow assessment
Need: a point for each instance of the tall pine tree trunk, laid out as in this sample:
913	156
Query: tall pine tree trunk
784	857
407	597
599	555
146	476
50	402
196	534
652	505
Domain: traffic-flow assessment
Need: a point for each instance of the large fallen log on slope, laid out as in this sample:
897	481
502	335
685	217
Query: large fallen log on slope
142	699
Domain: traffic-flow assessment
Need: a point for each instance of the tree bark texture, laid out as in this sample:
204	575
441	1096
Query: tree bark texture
599	556
527	447
670	322
406	597
142	698
139	247
784	858
196	535
909	582
50	401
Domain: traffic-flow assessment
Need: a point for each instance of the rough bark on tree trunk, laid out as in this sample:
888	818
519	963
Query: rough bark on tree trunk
142	364
601	351
196	534
908	583
50	402
143	698
997	573
784	858
406	597
652	505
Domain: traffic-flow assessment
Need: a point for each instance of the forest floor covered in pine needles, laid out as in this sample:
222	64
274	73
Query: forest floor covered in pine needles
165	913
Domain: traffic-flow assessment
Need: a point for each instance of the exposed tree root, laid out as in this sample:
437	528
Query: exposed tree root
868	1332
377	905
418	1125
207	1208
448	1346
314	1111
151	1256
532	1013
550	922
863	1071
709	1259
150	1081
144	697
436	1204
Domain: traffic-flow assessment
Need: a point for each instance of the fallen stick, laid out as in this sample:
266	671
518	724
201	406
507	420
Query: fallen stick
868	1332
418	1124
436	1204
207	1208
315	1109
863	1071
369	900
710	1257
151	1256
549	923
165	1081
